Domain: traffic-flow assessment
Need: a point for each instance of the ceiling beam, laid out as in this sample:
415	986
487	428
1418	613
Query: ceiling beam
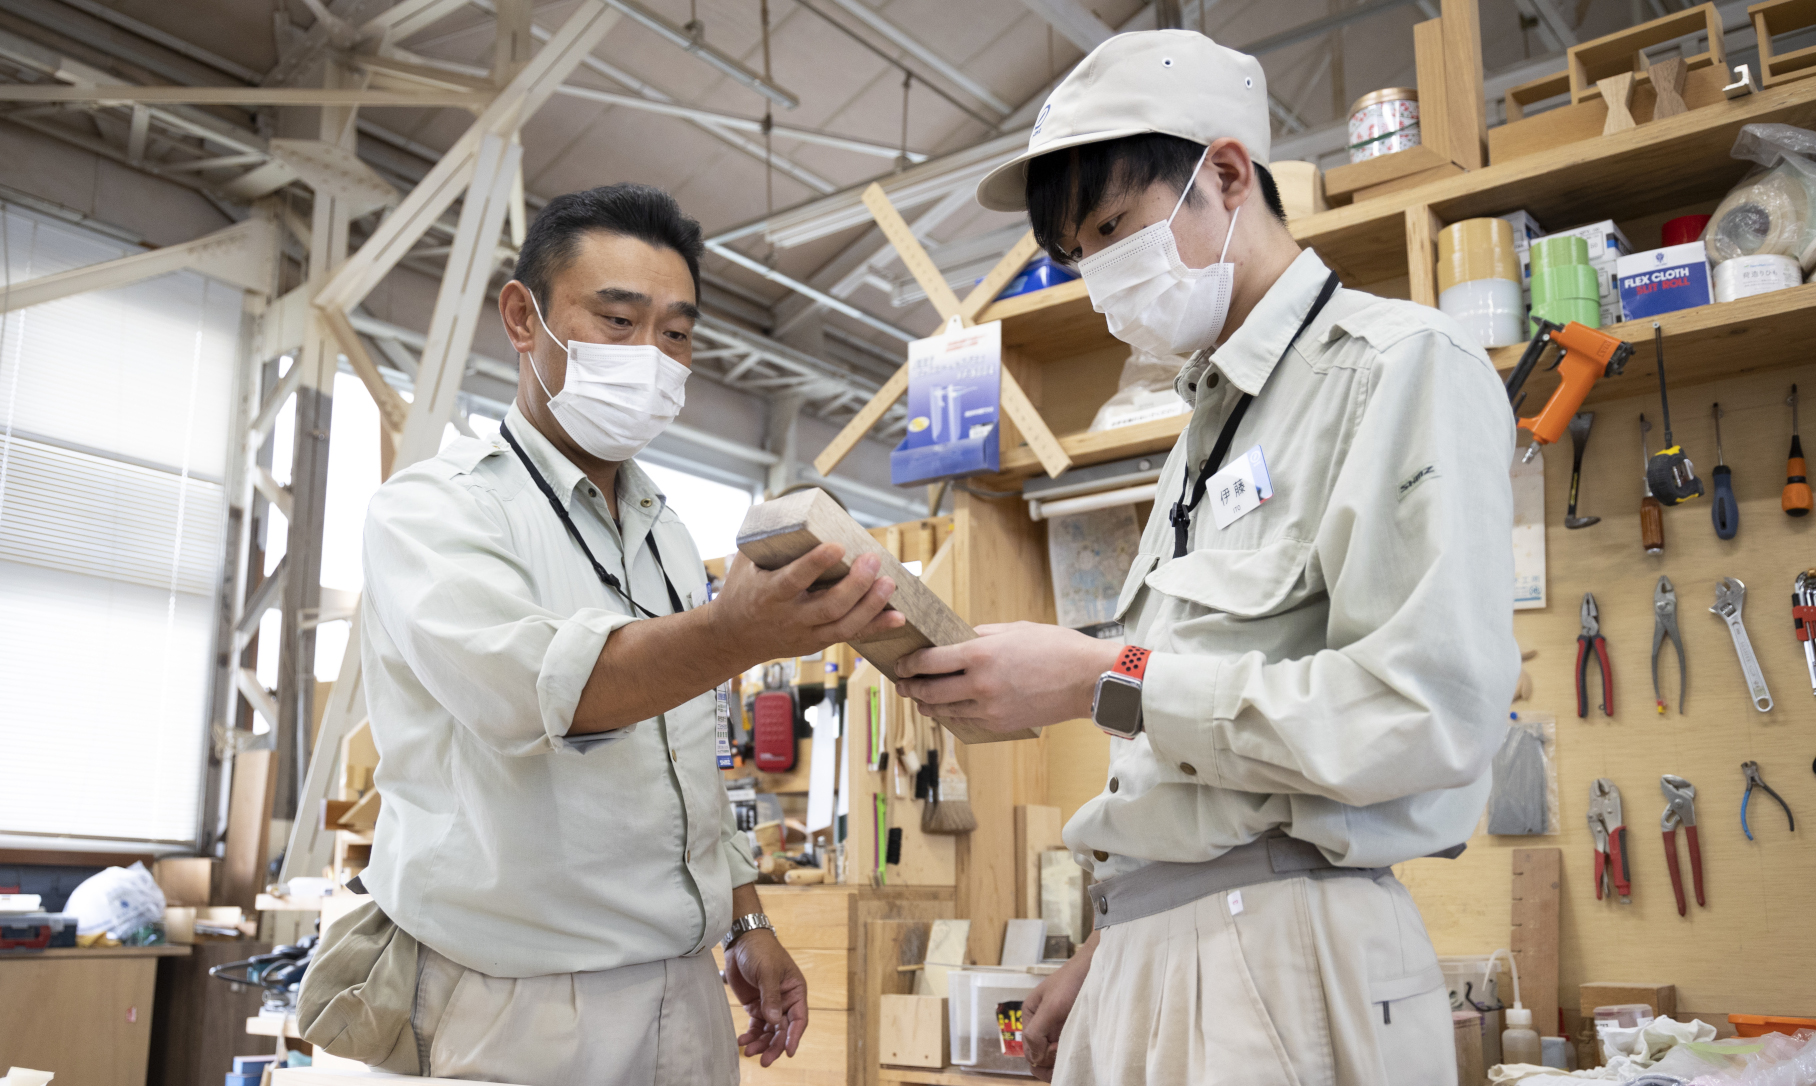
1075	22
127	93
911	45
1317	28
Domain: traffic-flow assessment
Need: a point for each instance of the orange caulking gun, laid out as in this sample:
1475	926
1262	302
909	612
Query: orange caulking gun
1585	355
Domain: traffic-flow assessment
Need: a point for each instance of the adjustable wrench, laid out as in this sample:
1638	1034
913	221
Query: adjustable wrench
1730	598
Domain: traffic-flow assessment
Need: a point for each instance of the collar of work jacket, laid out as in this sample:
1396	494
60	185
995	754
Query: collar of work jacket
1249	356
639	502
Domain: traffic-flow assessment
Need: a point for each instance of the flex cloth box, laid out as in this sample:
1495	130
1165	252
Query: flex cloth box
1663	280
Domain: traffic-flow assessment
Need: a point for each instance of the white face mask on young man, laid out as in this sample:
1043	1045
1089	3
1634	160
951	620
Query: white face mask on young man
1150	298
617	397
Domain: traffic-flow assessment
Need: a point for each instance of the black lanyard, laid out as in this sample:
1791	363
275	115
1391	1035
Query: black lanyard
611	582
1181	515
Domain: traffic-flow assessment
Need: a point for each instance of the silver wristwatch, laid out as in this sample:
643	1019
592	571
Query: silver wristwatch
747	922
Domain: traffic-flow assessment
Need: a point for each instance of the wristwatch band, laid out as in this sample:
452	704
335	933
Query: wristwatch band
747	922
1133	662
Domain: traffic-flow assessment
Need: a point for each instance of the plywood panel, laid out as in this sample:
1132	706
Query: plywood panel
1078	764
1729	955
88	1021
810	916
827	972
819	1061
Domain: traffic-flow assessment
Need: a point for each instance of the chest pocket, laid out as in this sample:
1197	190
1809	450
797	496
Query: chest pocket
1245	583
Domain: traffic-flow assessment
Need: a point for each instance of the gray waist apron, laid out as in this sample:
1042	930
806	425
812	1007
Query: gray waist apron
1158	887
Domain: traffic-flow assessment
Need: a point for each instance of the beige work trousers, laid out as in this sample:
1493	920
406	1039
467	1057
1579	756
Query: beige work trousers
665	1023
1287	991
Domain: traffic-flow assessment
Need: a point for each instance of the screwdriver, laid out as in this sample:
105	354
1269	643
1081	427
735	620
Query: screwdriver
1796	501
1669	474
1724	513
1651	511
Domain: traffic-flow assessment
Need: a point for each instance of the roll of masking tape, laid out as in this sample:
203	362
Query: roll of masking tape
1488	309
1587	311
1476	249
1565	282
1745	276
1558	251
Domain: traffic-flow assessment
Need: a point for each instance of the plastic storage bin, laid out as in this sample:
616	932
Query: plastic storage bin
971	999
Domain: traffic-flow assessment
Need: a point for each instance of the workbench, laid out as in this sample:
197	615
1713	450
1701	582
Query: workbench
84	1014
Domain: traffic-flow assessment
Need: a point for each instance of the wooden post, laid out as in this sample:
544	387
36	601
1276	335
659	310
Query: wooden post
1422	228
1464	104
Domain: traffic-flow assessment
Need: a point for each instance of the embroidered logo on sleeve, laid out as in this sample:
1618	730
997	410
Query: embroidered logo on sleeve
1417	479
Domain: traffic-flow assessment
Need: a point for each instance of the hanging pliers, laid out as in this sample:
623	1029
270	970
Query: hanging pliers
1754	780
1611	871
1664	606
1680	810
1591	640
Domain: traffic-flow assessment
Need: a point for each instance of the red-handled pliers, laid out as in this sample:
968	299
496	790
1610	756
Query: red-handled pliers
1612	874
1591	637
1680	810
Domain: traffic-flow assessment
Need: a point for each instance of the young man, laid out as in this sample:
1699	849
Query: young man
1314	686
541	665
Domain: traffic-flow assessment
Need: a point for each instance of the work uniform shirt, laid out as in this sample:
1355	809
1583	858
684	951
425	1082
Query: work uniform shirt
1338	662
503	843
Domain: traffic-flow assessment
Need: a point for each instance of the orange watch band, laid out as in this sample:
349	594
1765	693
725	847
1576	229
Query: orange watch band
1133	662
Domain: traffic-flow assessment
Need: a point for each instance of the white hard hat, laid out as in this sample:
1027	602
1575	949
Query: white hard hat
1177	82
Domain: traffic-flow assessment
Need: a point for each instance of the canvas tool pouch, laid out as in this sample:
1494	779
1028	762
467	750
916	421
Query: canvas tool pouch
359	992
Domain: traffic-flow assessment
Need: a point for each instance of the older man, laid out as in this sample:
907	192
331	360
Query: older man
543	666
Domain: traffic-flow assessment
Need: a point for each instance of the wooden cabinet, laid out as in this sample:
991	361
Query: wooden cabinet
823	927
85	1015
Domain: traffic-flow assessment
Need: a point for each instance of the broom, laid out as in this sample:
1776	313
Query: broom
949	811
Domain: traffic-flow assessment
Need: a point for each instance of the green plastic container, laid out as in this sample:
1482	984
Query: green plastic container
1557	252
1586	311
1569	281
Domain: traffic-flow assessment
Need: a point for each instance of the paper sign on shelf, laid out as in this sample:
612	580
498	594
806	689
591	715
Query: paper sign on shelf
954	396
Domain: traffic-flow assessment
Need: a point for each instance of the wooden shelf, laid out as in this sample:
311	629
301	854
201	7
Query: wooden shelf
1050	323
1094	447
1708	343
1658	166
166	951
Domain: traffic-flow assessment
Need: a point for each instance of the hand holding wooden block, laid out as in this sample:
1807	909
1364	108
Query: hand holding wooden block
777	532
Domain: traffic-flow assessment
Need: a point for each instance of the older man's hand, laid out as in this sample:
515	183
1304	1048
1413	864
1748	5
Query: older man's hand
1013	675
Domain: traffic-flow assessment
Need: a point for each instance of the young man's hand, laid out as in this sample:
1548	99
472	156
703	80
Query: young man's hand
1046	1009
1014	675
767	983
766	614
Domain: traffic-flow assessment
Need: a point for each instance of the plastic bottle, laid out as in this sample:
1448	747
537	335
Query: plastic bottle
1519	1042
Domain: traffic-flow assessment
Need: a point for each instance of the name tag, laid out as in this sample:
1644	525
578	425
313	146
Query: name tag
1239	488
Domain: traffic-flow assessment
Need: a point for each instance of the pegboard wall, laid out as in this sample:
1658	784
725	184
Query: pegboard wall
1747	951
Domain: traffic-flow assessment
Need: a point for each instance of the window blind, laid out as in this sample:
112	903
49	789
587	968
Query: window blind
115	419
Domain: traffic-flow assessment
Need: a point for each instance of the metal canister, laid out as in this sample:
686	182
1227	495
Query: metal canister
1383	122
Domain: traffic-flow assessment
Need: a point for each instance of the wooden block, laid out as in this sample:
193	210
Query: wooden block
1301	186
1063	902
1037	829
187	880
248	826
1617	92
1464	105
1537	876
777	532
945	951
1467	1026
912	1031
1667	78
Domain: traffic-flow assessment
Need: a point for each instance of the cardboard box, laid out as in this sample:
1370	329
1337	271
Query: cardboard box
911	1031
1664	280
188	880
1525	227
1662	998
1606	242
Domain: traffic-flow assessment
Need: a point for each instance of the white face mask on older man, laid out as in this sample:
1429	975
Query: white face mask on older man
616	397
1150	299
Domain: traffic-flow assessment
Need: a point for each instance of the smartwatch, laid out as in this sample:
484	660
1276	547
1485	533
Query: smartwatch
1116	706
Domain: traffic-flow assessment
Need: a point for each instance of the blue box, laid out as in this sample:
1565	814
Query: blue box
1663	280
954	393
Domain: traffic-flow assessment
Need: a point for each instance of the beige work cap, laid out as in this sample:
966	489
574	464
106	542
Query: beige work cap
1177	82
